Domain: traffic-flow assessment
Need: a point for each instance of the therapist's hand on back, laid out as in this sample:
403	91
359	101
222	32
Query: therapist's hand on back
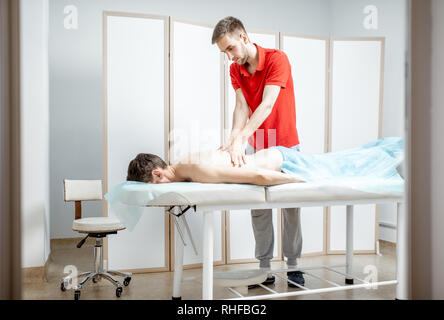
234	147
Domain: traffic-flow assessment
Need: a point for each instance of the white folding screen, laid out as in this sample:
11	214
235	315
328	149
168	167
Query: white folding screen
144	108
357	73
240	237
196	111
196	117
309	62
135	121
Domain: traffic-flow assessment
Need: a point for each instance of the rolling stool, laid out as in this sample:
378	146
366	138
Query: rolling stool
98	228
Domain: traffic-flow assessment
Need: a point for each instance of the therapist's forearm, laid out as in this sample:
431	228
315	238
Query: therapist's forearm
240	117
257	118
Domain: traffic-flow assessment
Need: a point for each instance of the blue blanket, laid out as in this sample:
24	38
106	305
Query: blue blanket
371	167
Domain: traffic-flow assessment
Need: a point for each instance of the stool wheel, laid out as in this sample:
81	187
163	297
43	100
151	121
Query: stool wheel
127	281
62	286
119	292
77	295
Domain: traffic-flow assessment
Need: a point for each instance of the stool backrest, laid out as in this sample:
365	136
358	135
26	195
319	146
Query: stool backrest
82	190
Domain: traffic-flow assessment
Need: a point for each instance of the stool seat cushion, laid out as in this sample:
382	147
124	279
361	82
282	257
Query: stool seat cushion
97	225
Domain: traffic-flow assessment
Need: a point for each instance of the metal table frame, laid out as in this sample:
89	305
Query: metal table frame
402	249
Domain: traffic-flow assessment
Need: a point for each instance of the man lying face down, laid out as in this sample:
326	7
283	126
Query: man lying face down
377	159
262	168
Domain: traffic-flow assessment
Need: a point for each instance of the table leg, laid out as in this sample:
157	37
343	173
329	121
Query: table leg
207	277
349	245
178	266
402	254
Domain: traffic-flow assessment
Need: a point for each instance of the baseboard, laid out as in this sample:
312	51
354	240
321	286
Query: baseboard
387	243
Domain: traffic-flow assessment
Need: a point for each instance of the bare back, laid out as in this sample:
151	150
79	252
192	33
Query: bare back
269	159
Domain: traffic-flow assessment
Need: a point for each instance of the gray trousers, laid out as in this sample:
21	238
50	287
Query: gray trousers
262	221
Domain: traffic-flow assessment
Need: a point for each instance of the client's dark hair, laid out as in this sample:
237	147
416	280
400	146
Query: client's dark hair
140	167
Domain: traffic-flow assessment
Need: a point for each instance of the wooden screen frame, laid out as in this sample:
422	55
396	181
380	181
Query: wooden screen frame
105	16
381	99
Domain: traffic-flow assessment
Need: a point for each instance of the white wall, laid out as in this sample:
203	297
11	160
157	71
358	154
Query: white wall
347	18
35	132
76	76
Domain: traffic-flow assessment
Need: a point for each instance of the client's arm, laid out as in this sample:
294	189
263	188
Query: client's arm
210	174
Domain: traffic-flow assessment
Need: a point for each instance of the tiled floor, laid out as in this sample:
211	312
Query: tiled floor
155	286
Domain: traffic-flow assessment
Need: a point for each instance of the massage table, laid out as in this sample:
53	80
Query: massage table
182	199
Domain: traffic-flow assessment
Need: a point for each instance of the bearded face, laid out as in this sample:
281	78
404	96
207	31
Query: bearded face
235	47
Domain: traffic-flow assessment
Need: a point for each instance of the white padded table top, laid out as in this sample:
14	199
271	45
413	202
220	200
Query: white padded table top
298	192
219	194
190	193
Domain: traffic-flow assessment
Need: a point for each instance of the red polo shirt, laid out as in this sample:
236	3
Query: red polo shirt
274	68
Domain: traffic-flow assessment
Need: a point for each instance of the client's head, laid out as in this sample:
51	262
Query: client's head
148	168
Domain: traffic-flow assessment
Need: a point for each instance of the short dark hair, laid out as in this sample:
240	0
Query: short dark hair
140	167
226	25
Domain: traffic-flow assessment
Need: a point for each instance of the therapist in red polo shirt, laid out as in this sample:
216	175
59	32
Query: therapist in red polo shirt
264	90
